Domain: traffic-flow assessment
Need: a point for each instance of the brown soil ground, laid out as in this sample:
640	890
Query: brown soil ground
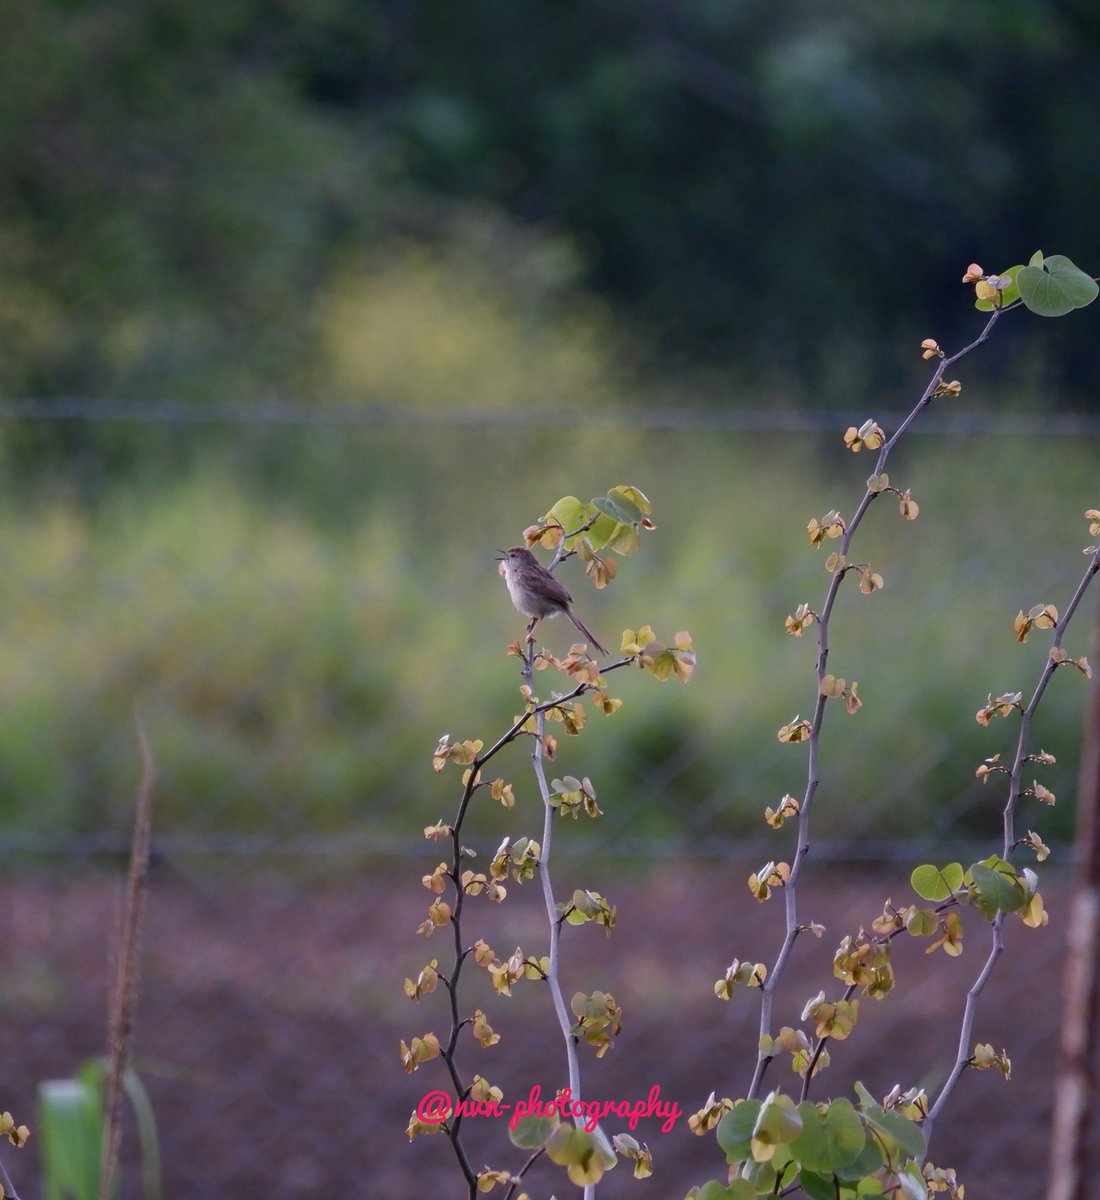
271	1012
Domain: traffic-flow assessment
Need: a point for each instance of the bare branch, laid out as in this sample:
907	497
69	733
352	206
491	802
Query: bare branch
9	1192
124	996
790	891
552	976
962	1055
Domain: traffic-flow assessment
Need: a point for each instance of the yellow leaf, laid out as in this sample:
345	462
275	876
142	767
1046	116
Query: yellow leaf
832	686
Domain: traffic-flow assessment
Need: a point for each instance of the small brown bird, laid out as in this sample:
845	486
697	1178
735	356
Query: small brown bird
537	594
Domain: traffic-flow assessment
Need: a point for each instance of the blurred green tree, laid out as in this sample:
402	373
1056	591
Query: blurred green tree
181	182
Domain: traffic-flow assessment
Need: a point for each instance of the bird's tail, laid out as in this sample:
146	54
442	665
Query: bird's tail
585	630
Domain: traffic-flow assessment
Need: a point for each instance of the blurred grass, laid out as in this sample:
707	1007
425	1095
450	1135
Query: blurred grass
299	612
297	642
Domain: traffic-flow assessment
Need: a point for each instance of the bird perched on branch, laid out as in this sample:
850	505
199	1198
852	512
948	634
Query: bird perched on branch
537	594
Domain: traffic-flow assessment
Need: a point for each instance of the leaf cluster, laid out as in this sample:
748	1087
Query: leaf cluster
831	1150
607	523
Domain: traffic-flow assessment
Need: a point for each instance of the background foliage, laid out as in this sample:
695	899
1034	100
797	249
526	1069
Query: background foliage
282	604
193	195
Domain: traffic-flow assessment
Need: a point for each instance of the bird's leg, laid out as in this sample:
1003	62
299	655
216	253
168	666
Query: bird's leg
532	626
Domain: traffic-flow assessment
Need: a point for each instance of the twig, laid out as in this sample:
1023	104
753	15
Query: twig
516	731
517	1176
124	996
8	1187
790	891
552	974
962	1056
553	920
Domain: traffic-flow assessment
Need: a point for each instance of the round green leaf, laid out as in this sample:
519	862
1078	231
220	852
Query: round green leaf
585	1156
627	491
778	1121
829	1140
817	1187
921	922
532	1132
603	529
762	1175
936	883
713	1189
898	1129
569	513
734	1132
624	540
1055	288
810	1148
998	890
867	1162
619	508
844	1133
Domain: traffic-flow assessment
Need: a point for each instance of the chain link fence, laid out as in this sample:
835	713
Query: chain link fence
298	602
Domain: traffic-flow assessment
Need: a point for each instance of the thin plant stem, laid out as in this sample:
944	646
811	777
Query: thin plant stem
7	1188
1020	758
518	729
124	999
790	892
553	977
